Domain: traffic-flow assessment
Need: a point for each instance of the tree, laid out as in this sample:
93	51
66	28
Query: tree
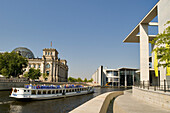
79	80
162	41
45	75
71	79
12	64
33	74
85	80
91	80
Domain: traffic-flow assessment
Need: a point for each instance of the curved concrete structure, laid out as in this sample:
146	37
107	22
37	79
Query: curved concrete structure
98	104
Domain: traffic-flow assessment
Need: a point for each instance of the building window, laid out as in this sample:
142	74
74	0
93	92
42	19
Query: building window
51	53
48	66
48	53
47	72
45	53
115	73
29	65
39	66
34	66
116	79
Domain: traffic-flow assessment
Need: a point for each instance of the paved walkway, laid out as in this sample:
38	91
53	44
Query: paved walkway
128	104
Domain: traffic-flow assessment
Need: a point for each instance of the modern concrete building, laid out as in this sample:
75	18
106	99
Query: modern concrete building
50	64
99	77
140	35
115	77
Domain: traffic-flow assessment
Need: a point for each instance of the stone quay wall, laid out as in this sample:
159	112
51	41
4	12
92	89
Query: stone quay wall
98	104
157	98
9	85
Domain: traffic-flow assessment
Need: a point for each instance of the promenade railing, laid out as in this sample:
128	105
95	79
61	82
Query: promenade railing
163	85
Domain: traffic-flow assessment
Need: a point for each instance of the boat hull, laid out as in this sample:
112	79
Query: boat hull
47	97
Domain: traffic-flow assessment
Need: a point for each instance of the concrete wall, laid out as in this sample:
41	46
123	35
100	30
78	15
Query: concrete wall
98	104
9	85
153	97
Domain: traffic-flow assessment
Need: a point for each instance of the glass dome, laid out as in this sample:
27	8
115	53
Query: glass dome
25	52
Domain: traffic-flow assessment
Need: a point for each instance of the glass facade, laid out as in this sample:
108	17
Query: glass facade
25	52
129	75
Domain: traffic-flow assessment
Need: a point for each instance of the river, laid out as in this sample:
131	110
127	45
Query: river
62	105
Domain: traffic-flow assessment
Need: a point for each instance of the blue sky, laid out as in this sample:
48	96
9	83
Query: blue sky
87	33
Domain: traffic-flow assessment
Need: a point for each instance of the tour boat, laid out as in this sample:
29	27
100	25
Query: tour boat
36	92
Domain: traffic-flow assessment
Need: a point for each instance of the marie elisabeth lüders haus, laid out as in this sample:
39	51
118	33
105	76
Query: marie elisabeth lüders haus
54	67
158	16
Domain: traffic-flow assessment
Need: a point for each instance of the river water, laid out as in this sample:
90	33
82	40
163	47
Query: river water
62	105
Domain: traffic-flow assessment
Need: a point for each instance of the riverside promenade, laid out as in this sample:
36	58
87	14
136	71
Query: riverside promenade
127	103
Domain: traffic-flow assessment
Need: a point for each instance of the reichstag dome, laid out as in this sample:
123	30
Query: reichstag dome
25	52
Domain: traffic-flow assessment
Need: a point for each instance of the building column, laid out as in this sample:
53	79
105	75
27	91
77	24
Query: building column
144	53
133	75
125	79
119	78
43	68
51	68
54	72
56	68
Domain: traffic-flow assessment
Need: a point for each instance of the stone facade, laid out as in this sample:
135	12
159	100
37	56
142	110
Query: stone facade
50	64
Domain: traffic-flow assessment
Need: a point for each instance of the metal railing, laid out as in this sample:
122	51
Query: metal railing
163	85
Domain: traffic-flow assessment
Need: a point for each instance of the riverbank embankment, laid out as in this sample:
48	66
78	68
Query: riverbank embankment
98	104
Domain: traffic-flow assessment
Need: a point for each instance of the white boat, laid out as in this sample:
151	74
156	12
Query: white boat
49	92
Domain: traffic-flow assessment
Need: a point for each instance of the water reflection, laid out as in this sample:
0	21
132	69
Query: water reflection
62	105
15	109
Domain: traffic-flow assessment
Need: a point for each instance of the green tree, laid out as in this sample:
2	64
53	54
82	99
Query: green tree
12	64
79	80
91	80
45	75
33	73
71	79
162	41
85	80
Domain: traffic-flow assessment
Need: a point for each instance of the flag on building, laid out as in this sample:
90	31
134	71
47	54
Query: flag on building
167	68
156	64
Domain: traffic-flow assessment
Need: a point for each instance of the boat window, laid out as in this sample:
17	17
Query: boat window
60	91
66	91
24	90
49	92
33	92
28	90
56	91
44	92
39	92
53	91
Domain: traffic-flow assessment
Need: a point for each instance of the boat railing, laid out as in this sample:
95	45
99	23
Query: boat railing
30	86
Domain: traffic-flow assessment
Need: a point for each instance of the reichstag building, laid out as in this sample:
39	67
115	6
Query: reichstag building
50	64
